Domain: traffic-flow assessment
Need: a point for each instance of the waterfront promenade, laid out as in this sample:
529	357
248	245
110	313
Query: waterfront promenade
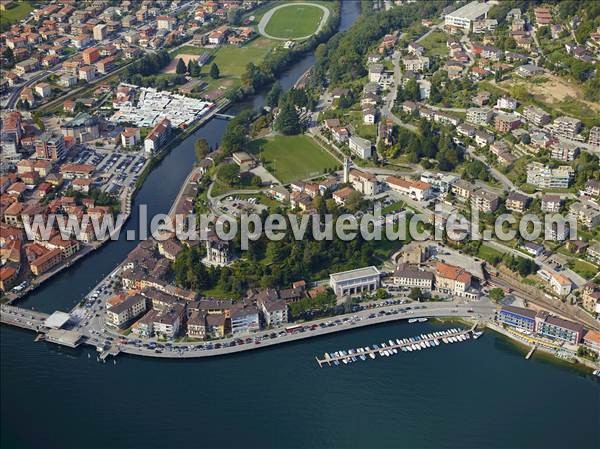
480	312
95	334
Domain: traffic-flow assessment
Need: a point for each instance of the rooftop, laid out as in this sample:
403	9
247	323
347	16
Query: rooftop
57	320
355	274
471	11
520	311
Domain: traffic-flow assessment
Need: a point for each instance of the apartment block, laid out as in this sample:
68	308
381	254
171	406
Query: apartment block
519	317
551	203
50	146
536	116
558	328
123	312
564	151
567	126
516	201
544	177
479	116
594	137
484	200
586	213
410	277
506	122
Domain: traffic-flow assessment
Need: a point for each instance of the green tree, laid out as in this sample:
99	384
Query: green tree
520	92
9	56
496	294
201	148
411	90
415	294
498	75
354	201
435	96
229	173
234	16
194	68
181	68
234	139
214	71
272	98
381	293
287	122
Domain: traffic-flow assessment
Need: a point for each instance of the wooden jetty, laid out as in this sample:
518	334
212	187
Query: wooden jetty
530	353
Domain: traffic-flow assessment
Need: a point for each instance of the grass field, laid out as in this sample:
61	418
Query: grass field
294	21
232	61
435	44
219	294
583	268
392	208
488	254
262	199
291	158
16	13
363	130
554	94
190	50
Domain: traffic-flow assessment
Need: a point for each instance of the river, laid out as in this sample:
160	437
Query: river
477	394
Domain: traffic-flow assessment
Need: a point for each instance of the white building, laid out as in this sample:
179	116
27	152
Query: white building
417	190
369	116
157	136
416	64
544	177
355	281
360	147
442	182
410	277
561	285
274	312
464	17
122	313
479	116
244	320
364	182
506	103
168	321
375	72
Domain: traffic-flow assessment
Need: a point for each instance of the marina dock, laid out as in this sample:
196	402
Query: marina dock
113	350
391	347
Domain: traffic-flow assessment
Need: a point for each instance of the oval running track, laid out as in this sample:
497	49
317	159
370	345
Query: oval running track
265	20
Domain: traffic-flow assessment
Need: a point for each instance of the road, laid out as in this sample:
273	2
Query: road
578	280
182	191
24	318
388	104
478	310
14	96
501	178
431	30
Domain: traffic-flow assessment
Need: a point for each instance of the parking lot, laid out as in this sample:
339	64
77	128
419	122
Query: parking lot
114	171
